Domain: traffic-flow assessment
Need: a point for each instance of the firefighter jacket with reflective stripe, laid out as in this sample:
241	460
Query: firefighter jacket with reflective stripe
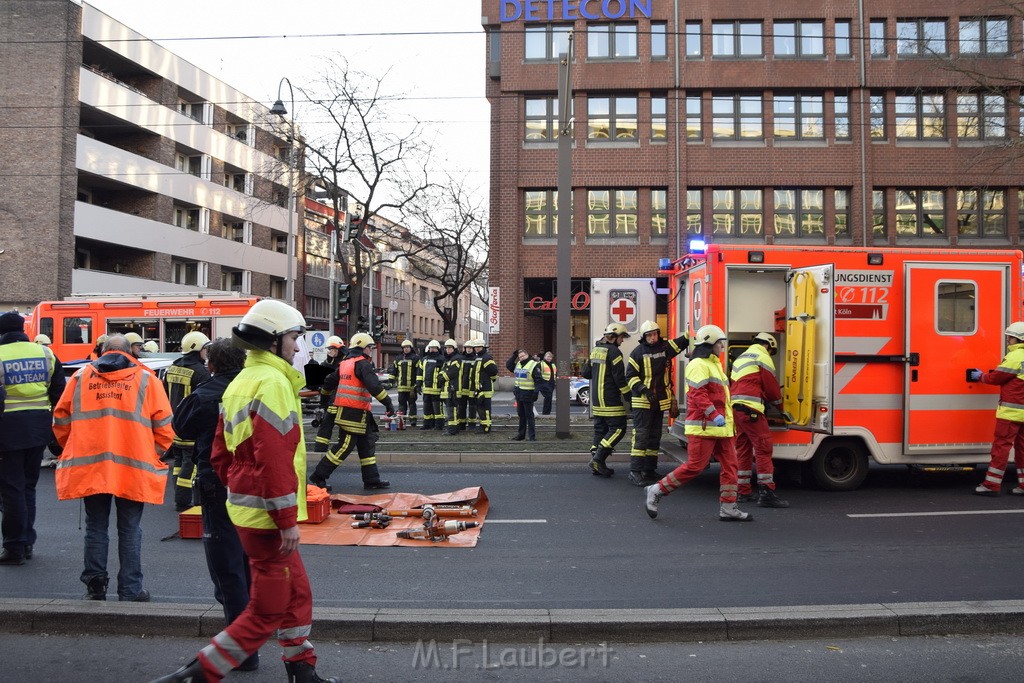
114	423
486	371
649	367
451	373
431	373
607	375
753	380
357	384
1010	378
180	379
467	379
29	373
259	451
195	419
707	395
404	371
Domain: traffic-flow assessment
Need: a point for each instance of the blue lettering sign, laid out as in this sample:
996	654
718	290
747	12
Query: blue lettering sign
24	371
568	9
534	10
511	10
587	14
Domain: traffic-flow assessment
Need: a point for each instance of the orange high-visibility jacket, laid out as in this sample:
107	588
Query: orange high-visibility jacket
114	422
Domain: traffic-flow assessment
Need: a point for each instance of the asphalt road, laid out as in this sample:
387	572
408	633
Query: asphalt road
558	537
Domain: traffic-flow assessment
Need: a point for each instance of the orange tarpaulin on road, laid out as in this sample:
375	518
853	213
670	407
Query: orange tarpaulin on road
337	528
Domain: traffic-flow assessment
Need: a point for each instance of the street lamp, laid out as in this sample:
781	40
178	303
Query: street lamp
279	110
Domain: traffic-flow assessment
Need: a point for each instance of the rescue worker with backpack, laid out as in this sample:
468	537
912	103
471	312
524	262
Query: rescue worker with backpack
609	396
403	369
357	430
709	428
181	378
486	371
430	379
753	387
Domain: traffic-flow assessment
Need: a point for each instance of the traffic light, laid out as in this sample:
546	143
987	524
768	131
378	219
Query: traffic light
380	324
342	299
353	228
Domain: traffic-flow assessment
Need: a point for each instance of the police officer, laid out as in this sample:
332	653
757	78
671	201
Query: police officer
430	380
357	384
609	396
486	371
28	374
181	379
527	374
403	369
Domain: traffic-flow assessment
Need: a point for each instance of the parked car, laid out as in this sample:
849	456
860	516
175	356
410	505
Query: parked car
579	390
156	363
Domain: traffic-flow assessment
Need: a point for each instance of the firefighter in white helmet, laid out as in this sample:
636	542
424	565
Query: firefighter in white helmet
486	371
709	427
180	379
450	390
357	430
430	381
1009	414
259	454
136	342
648	375
609	396
753	388
403	369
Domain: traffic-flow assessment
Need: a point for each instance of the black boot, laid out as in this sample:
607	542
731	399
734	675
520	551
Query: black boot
427	424
190	673
597	465
766	498
637	478
304	672
323	471
96	588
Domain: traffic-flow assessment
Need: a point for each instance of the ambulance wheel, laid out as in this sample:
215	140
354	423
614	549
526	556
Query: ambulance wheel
840	465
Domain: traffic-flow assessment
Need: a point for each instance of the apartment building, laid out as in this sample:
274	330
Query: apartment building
865	123
127	169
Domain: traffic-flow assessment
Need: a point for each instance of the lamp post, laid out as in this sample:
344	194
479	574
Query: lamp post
279	109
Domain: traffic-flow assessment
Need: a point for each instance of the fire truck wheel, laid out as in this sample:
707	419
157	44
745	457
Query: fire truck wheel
840	465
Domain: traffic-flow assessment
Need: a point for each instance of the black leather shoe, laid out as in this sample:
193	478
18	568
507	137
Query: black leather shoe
143	596
516	438
10	559
250	664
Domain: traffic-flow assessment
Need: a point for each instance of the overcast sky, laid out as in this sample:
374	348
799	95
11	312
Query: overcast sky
442	75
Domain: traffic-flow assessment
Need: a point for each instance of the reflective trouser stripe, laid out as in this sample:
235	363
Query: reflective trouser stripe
341	451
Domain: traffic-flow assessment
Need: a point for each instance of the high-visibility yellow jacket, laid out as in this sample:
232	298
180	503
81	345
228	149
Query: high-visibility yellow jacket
753	380
1010	376
707	395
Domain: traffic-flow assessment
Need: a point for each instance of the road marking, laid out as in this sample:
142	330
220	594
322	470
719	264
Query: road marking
516	521
940	514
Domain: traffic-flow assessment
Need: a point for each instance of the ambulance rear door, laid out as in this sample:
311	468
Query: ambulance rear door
808	361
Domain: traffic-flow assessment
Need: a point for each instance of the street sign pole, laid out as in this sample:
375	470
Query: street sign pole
563	314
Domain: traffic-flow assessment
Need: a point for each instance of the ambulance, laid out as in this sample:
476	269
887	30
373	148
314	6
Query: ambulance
627	301
874	346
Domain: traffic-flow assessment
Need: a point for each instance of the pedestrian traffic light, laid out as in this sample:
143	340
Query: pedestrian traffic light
342	299
353	228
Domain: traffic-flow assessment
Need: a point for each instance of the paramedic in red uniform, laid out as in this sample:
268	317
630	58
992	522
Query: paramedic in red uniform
1009	415
753	386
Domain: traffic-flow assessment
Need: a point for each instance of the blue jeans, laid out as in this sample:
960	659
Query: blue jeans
19	473
129	542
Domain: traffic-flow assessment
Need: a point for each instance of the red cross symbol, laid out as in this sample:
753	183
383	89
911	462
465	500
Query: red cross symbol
623	310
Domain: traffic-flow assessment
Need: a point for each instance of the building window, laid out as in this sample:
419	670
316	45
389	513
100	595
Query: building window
694	213
193	165
800	213
186	218
280	243
920	37
659	40
237	231
737	213
844	47
799	39
693	118
799	117
185	273
193	110
842	212
980	117
659	213
920	117
231	280
545	43
981	213
659	117
842	117
611	118
611	213
736	39
985	36
317	307
878	213
541	119
541	210
877	106
611	41
736	117
878	44
920	213
693	44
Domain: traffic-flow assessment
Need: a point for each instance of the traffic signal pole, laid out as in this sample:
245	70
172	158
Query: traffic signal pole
563	315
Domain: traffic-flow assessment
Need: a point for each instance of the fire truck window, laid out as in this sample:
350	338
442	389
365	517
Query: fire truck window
955	310
174	330
46	327
78	331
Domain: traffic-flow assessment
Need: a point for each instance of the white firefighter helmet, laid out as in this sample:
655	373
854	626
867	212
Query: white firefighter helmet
133	338
267	320
335	342
407	343
1016	330
151	347
42	339
768	340
361	340
709	334
478	343
433	345
194	341
451	343
649	326
616	329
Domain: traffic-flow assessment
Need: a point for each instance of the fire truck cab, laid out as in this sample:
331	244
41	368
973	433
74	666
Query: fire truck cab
874	346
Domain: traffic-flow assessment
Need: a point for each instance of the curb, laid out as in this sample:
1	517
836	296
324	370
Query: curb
530	625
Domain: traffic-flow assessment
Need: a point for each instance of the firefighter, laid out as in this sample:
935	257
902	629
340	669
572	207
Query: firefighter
181	379
324	420
449	390
753	385
97	350
430	382
357	430
136	341
527	374
609	396
403	369
151	347
260	455
486	371
1009	414
467	382
647	375
709	428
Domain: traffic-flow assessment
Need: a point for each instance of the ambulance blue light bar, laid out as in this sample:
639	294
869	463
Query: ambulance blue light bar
698	246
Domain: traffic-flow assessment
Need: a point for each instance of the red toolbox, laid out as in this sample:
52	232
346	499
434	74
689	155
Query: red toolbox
190	523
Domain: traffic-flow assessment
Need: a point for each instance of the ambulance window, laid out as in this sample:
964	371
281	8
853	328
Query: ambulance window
78	331
955	311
